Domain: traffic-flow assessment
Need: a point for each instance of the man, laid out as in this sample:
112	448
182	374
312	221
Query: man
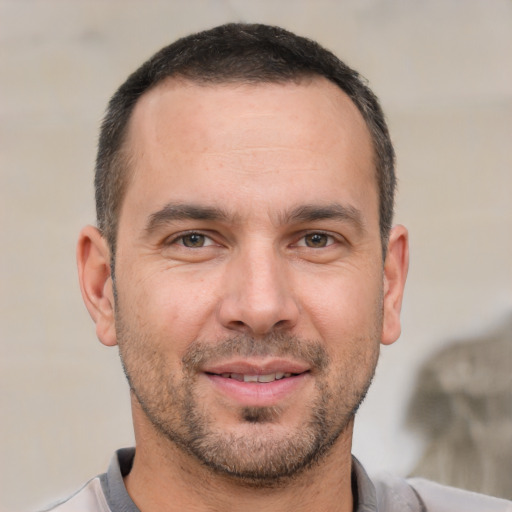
246	266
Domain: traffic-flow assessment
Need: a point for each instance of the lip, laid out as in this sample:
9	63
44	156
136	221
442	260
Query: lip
257	366
257	394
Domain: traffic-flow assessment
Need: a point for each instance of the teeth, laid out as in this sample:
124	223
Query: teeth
267	378
271	377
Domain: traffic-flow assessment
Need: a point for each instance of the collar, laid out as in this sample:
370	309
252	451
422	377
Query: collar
119	500
363	490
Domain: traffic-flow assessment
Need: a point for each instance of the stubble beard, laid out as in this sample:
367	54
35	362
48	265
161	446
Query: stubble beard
264	454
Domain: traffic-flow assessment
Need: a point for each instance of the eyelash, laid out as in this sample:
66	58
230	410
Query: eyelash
330	239
181	237
301	242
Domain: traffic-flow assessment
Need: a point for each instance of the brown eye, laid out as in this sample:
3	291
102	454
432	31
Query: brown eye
193	240
316	240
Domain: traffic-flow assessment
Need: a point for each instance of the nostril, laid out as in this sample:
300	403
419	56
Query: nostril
237	324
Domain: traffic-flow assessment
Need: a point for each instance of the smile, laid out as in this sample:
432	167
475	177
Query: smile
250	388
270	377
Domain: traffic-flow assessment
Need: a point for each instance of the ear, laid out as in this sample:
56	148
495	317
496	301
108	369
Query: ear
395	274
93	259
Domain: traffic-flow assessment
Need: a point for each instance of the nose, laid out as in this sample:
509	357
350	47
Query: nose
257	297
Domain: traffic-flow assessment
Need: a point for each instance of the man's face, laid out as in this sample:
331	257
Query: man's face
248	271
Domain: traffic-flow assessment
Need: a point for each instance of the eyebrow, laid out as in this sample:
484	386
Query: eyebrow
336	211
305	213
177	211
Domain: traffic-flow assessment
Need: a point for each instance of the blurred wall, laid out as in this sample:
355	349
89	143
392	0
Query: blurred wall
443	70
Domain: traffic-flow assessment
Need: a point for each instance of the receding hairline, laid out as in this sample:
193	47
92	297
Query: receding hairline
127	158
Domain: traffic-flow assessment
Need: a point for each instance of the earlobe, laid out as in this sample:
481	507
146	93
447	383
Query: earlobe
395	274
93	259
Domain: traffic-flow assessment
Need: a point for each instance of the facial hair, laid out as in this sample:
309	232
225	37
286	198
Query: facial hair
263	453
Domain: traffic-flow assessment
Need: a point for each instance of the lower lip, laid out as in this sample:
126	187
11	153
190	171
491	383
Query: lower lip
258	394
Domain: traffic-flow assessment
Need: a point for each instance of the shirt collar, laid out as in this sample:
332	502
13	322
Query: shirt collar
363	490
119	500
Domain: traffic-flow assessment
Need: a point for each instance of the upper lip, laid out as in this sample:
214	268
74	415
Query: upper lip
264	366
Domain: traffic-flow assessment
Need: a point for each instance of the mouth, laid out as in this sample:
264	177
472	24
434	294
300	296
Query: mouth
264	379
260	370
258	383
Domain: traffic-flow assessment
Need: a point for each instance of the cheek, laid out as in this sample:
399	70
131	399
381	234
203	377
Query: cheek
170	308
344	304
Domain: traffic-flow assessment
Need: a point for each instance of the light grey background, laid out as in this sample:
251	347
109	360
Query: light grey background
443	71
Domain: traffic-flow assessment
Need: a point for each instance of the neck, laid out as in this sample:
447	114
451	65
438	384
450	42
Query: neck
165	478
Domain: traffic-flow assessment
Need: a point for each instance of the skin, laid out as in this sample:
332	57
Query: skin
248	242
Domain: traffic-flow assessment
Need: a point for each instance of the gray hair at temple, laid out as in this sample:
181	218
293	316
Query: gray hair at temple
234	53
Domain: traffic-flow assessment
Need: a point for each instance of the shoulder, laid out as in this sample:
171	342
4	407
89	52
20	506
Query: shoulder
418	494
90	498
440	498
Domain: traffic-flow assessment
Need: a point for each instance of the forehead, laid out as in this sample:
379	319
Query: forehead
211	140
312	105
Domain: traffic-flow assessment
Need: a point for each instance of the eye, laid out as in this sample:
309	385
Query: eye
316	240
194	240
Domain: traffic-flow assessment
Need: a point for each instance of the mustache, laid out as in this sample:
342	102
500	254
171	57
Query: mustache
311	352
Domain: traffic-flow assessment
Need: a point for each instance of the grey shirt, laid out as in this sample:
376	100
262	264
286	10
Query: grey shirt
107	493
